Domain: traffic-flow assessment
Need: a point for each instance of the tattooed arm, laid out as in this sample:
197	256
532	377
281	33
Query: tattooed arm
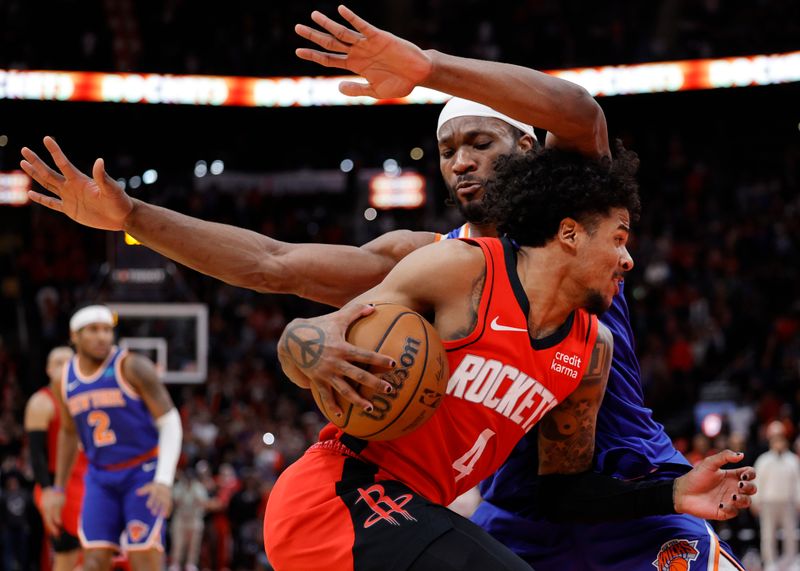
566	433
314	351
570	492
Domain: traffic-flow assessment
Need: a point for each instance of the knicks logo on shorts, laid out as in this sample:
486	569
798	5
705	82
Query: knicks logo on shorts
137	530
383	506
676	555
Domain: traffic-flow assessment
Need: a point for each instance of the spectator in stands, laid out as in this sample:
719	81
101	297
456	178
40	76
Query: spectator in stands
15	511
245	512
778	497
226	484
190	499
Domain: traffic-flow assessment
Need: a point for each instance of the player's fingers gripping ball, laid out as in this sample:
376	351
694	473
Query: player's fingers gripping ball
419	379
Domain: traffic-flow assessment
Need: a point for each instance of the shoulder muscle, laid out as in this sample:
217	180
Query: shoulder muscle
38	412
430	276
141	373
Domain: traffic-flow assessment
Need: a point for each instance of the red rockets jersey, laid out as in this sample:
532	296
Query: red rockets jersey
502	382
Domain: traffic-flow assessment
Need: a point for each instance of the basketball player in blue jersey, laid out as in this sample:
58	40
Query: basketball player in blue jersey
629	443
114	405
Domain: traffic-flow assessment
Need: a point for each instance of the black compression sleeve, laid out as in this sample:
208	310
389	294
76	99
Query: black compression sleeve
37	444
589	497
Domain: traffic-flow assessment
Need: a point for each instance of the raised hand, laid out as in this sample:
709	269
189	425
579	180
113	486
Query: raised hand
315	351
709	492
391	65
98	202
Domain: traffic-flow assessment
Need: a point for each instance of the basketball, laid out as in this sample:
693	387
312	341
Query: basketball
419	379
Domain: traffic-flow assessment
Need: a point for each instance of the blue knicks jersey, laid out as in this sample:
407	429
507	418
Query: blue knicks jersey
113	423
463	231
629	442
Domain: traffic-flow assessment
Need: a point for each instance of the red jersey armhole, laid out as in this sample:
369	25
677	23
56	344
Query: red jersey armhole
493	254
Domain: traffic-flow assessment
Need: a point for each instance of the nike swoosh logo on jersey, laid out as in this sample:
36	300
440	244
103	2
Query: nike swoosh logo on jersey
149	467
497	327
73	385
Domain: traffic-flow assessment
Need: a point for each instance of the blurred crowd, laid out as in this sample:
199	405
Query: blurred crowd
179	36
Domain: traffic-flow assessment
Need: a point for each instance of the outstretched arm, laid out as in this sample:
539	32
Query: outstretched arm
326	273
459	272
570	491
707	492
393	66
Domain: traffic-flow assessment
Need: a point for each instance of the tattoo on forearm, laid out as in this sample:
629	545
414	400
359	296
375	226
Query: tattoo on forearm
566	437
304	343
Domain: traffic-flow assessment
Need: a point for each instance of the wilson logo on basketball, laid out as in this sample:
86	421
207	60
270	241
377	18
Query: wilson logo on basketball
677	555
383	506
137	530
382	404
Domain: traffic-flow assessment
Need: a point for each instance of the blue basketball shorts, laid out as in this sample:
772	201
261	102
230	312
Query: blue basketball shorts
662	543
113	516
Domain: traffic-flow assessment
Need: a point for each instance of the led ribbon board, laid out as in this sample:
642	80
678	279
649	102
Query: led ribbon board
661	77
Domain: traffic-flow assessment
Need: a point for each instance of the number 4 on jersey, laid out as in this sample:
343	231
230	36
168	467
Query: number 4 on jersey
466	463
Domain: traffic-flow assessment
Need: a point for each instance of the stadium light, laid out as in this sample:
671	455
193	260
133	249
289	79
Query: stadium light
200	169
150	176
217	167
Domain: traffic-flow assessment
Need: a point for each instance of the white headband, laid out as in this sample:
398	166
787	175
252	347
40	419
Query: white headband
458	107
91	314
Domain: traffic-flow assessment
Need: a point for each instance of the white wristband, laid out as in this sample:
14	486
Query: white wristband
170	438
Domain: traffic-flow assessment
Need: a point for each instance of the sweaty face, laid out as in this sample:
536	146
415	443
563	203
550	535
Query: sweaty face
604	260
468	149
94	340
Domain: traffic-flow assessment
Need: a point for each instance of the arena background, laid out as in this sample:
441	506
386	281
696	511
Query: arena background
715	295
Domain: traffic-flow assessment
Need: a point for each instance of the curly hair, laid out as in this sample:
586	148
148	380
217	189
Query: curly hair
531	193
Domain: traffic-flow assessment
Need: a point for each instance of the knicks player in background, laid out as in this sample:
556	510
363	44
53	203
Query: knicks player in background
42	422
630	443
360	504
114	404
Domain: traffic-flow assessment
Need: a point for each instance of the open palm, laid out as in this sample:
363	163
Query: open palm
709	492
392	66
98	202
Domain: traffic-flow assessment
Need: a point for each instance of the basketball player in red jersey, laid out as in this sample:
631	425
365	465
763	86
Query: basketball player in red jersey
42	422
354	504
328	273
